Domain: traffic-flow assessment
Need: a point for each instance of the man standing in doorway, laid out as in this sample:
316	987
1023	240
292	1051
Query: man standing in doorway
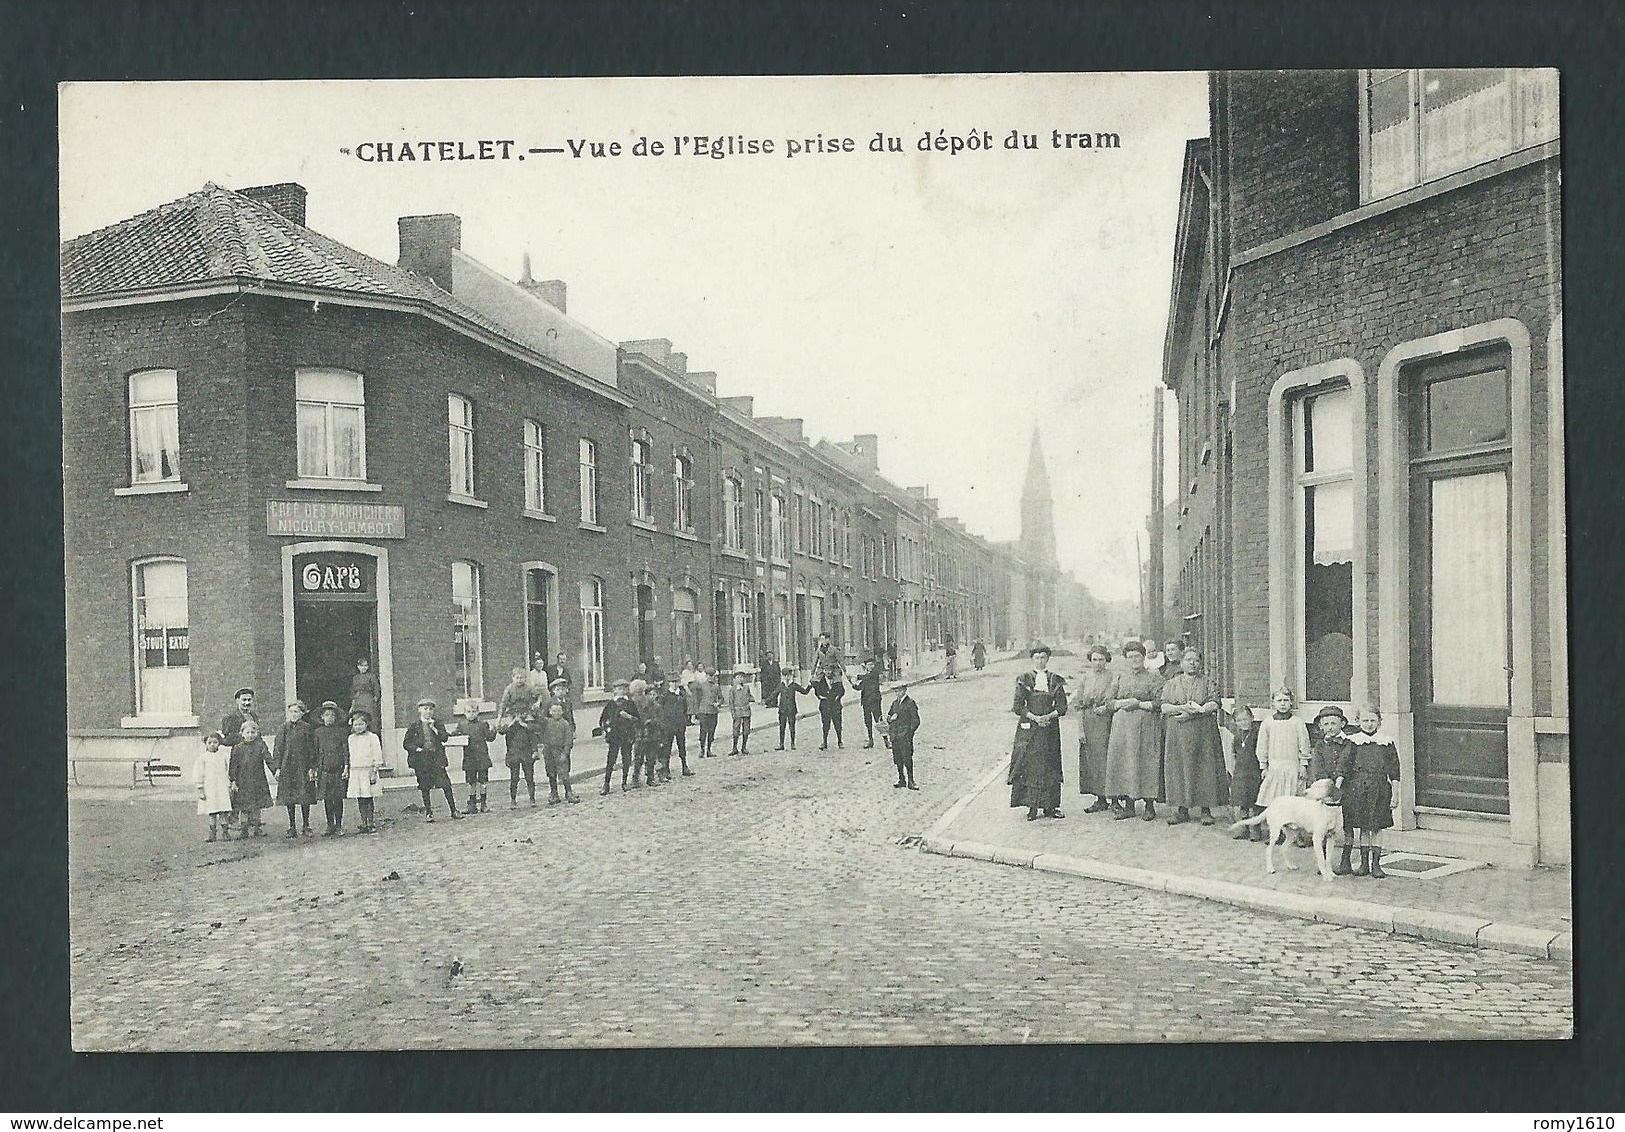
558	670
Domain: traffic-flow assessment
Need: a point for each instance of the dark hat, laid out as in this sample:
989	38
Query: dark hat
329	704
557	681
1040	648
1331	711
241	692
427	702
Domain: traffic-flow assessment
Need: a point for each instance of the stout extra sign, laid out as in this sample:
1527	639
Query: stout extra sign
334	520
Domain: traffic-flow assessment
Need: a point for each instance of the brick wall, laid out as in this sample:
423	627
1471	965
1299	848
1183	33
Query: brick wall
1465	257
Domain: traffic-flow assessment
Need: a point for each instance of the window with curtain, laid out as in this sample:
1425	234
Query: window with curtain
778	526
1324	468
155	435
643	504
460	421
163	684
331	424
733	511
1425	124
682	483
466	652
592	633
589	481
741	627
685	618
535	469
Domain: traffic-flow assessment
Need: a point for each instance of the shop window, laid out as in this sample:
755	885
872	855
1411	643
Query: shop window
155	437
535	469
163	684
1323	432
592	633
465	622
332	439
589	481
460	417
1425	124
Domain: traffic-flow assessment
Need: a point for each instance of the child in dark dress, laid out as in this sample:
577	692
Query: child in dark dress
250	793
476	756
1247	776
1366	773
425	745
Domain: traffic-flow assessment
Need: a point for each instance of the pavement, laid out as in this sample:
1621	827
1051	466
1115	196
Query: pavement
772	899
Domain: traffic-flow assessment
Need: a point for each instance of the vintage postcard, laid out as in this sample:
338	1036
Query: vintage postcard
816	561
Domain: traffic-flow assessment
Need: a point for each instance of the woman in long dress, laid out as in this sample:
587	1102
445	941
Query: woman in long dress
1035	757
1192	755
365	691
1134	752
1093	701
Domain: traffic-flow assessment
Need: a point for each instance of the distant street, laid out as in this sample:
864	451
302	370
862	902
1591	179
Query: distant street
766	901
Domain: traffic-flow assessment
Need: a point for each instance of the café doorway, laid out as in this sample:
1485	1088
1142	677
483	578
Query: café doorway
335	602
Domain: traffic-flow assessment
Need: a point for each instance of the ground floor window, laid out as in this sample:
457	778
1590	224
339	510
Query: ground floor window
592	633
741	626
684	626
466	640
162	644
537	584
1323	466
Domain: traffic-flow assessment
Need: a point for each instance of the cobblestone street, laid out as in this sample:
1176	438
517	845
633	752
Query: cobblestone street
766	901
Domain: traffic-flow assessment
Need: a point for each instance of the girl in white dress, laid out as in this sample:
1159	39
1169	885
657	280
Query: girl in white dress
1283	751
366	757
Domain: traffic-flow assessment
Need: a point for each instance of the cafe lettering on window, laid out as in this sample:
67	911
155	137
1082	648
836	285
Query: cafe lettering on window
164	647
333	575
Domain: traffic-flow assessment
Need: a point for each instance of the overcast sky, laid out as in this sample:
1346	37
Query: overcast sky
948	302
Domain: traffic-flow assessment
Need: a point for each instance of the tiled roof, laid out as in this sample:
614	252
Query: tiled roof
215	235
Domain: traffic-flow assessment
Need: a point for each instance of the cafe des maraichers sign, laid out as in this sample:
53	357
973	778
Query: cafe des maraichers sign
311	519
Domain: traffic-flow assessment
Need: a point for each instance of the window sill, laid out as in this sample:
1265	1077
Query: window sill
333	485
586	526
730	552
466	501
685	535
784	563
164	487
542	515
158	721
644	524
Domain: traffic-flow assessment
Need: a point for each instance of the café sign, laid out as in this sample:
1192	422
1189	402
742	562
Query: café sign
334	520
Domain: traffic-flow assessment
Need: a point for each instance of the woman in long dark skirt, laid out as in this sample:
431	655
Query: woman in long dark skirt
1035	758
1093	702
1192	756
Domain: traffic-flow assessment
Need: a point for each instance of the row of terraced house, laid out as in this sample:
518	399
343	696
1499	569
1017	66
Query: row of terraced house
282	456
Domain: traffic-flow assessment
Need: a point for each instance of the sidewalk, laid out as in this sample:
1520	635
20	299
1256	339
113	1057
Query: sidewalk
1522	910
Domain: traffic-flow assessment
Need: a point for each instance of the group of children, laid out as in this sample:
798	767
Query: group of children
1277	757
644	723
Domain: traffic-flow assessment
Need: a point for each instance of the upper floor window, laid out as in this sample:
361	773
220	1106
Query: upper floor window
643	461
155	434
682	482
733	511
1421	125
589	481
332	435
817	524
460	417
535	468
799	522
778	526
759	532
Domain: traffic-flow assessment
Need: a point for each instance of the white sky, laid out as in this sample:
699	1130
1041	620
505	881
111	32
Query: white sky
948	303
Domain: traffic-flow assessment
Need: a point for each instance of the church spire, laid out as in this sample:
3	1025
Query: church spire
1037	509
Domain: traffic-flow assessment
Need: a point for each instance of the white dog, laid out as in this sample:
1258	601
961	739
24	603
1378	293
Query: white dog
1310	812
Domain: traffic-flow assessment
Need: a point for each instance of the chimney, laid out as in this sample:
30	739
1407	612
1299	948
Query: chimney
678	363
741	405
427	243
286	199
866	447
658	349
705	379
787	427
550	291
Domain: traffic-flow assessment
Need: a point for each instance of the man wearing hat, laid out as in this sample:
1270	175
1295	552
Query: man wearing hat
231	724
902	721
618	723
425	746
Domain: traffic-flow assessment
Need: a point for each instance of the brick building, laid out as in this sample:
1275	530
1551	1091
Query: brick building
282	456
1366	338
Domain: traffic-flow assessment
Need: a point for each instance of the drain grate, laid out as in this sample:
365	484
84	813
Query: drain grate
1425	866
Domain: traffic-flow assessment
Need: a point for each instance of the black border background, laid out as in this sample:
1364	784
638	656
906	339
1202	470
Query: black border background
40	46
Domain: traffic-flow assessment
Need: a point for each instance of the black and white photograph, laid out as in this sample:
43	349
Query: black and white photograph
906	560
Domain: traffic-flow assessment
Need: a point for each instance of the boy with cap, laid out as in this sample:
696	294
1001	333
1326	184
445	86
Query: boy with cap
618	723
739	701
521	759
789	689
868	688
557	735
652	734
902	721
476	755
425	745
559	690
674	715
1326	745
332	767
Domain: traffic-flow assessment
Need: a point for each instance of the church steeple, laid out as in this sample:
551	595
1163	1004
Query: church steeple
1037	509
